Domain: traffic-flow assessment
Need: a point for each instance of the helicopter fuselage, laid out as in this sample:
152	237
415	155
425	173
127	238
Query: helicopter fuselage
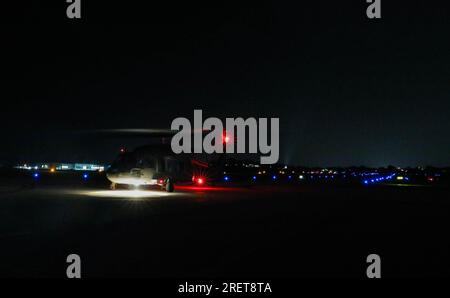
148	165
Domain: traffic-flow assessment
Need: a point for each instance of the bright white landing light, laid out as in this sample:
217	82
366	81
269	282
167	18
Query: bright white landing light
128	194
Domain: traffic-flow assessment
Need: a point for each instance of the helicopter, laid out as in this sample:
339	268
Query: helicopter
156	164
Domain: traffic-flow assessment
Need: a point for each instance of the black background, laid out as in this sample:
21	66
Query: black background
348	90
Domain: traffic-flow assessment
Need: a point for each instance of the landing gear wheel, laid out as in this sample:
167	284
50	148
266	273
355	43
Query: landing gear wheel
169	185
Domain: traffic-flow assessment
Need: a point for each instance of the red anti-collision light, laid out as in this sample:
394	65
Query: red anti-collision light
225	137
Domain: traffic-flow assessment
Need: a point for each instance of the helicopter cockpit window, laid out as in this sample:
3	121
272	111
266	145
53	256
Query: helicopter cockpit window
124	161
172	165
146	163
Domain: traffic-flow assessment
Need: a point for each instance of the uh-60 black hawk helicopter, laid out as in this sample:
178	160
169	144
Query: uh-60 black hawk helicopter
157	164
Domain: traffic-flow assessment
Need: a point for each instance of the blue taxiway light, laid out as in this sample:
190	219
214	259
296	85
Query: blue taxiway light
378	179
274	177
36	175
85	176
226	178
254	177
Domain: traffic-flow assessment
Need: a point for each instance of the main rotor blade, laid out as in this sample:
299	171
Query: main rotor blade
138	132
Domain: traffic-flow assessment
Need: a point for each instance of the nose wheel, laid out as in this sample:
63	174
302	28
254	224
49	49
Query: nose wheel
169	185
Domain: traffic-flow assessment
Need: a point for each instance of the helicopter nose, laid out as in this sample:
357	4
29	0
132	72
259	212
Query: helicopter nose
112	174
135	172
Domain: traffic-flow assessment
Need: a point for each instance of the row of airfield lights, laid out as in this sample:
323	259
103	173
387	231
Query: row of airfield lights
375	177
330	175
312	176
37	175
384	178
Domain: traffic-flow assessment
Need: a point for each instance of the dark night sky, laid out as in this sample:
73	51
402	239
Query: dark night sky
347	90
